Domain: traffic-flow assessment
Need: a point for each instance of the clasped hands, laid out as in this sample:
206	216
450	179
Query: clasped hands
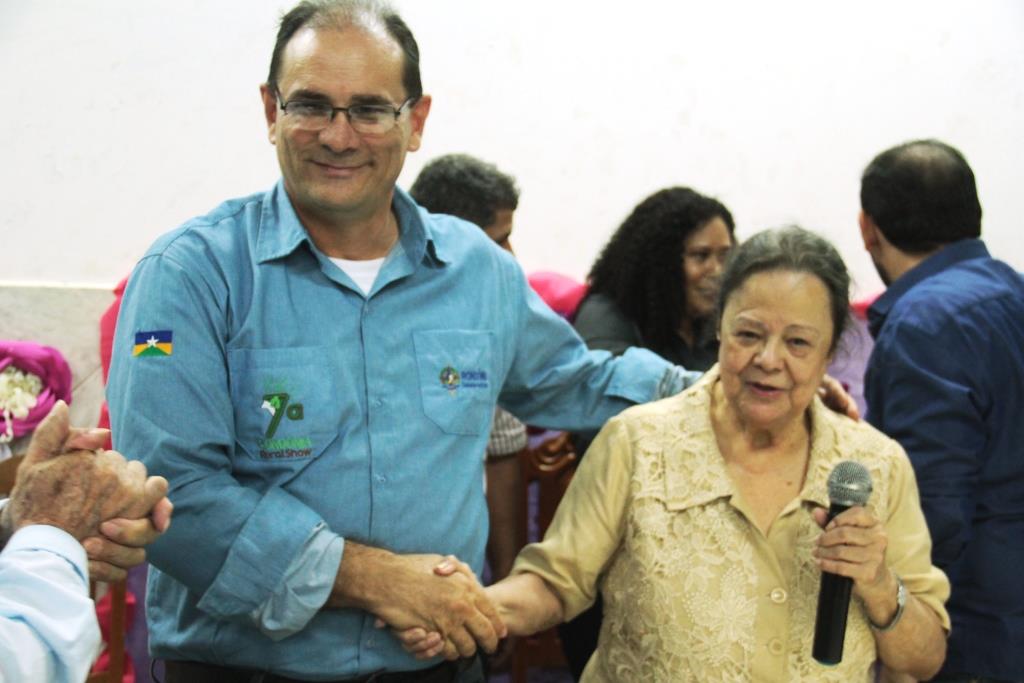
69	481
853	544
439	608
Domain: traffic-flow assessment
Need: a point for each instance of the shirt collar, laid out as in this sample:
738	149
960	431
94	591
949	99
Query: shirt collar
947	257
281	232
698	476
418	237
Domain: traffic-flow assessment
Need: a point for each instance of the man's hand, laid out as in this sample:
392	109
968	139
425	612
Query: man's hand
121	542
837	398
420	642
404	592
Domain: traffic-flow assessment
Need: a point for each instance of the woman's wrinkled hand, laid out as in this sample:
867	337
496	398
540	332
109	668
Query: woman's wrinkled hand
853	544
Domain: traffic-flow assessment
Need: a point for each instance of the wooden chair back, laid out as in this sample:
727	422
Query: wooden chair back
8	471
115	636
548	467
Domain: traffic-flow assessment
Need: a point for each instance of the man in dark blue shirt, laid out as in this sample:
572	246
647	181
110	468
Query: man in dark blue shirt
946	379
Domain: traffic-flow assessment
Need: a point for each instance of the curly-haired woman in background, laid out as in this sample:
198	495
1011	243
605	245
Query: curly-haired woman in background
655	283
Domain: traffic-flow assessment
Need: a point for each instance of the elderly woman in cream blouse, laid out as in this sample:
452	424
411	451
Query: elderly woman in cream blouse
699	517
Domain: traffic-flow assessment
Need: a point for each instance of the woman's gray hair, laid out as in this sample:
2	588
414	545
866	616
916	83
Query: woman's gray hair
796	250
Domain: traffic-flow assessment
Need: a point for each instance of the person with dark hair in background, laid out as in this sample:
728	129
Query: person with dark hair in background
315	368
701	518
655	285
656	281
946	380
466	187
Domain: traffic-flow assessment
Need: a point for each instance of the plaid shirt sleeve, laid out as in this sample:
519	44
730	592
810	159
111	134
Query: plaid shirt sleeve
508	435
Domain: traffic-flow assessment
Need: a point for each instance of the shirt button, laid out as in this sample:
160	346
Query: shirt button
381	478
778	596
370	642
775	646
379	402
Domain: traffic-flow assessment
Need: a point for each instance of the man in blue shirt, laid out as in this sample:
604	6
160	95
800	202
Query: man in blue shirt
946	380
315	368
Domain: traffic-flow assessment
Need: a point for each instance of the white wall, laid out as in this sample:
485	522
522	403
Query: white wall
66	318
122	118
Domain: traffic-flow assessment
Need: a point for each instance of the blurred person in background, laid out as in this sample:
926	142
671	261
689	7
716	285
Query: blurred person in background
946	380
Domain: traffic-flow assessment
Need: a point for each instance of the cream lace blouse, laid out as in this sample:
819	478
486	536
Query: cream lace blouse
694	591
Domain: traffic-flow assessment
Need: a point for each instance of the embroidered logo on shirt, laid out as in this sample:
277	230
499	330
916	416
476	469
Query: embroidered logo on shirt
277	405
153	343
474	379
452	379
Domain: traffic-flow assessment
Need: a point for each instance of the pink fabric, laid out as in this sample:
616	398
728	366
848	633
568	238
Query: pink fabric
48	365
860	306
560	292
108	323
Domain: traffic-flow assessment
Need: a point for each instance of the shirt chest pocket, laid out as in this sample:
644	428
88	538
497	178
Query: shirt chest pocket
456	379
286	401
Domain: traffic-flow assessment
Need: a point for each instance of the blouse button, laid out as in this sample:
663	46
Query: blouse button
778	596
775	646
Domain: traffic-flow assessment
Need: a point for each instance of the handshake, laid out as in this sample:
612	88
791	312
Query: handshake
433	604
67	480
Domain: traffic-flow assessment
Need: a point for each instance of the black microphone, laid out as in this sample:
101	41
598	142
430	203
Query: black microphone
848	485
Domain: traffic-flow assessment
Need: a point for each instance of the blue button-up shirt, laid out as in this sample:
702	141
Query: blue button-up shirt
946	380
278	398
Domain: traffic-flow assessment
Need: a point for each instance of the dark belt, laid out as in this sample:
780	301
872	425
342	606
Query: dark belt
199	672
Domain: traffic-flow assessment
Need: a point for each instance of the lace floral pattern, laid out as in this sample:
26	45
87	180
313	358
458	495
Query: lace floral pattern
695	592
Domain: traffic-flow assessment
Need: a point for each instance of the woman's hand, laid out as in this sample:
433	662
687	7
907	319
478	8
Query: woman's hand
853	545
419	642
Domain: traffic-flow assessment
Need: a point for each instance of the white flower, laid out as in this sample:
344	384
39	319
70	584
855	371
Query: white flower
19	392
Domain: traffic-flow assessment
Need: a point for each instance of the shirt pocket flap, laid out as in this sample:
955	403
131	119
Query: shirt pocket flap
455	372
286	401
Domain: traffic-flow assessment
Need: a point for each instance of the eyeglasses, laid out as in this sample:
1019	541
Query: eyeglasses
366	119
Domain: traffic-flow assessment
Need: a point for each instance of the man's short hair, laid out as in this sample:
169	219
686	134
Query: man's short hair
921	195
465	186
339	14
